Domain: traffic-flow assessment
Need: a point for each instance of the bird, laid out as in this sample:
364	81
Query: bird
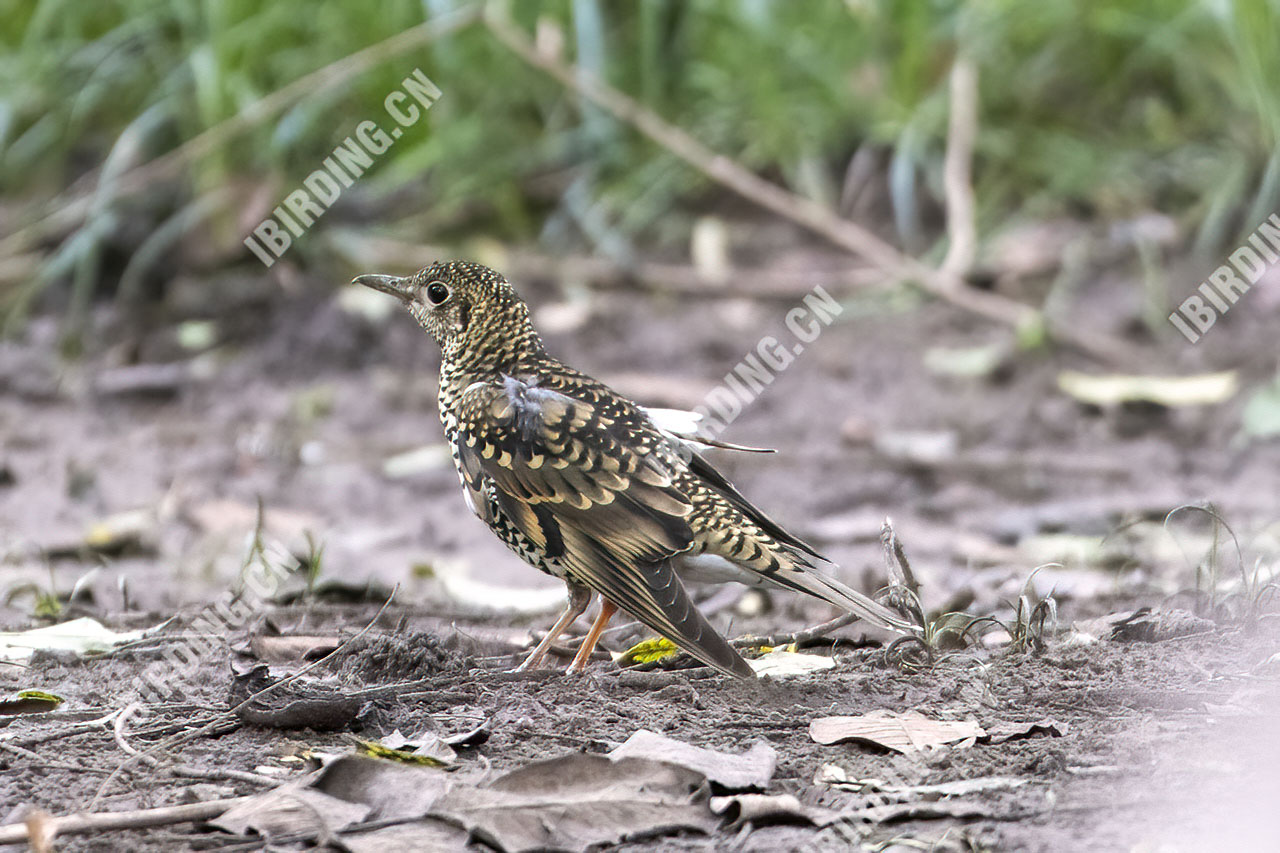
614	499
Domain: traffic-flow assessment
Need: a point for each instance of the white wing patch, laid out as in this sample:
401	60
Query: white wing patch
686	428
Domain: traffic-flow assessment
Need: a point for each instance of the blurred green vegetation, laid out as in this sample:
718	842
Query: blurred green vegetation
1096	108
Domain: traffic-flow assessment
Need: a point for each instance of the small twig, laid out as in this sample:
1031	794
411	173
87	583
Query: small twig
895	265
183	770
957	168
904	589
79	824
118	732
70	731
174	728
895	560
523	675
186	771
716	166
808	635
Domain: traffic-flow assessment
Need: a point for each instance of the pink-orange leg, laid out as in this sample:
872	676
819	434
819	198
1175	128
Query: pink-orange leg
579	598
607	609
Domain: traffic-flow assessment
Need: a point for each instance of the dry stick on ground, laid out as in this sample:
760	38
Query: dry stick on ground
223	774
957	169
799	637
139	819
71	212
895	559
184	770
117	731
904	593
69	731
813	216
230	716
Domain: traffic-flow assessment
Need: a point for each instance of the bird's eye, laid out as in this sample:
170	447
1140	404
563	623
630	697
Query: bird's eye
437	292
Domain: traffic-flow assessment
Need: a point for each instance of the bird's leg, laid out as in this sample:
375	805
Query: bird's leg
579	598
607	609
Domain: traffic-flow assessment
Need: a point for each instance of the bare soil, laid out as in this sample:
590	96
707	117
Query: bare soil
1165	738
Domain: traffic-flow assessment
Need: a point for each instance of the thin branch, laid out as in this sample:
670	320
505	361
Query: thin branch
79	824
69	731
184	770
957	169
808	635
895	559
223	773
716	166
122	741
894	264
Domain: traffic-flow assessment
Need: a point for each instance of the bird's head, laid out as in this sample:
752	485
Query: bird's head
472	312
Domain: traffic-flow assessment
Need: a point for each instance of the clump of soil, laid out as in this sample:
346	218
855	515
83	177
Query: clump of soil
386	658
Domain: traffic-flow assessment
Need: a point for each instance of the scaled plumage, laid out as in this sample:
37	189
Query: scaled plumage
583	484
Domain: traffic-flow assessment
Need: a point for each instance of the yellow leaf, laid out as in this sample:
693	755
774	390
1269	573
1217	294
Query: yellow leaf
377	750
649	651
30	702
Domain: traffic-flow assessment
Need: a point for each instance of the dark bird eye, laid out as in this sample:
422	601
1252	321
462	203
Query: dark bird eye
437	292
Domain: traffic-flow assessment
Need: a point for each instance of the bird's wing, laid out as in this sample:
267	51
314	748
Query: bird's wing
590	492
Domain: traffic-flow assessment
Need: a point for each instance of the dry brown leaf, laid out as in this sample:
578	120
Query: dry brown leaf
83	636
291	810
906	732
391	789
425	748
578	802
751	769
1017	731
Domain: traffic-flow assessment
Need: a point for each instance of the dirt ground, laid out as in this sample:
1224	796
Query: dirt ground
1162	739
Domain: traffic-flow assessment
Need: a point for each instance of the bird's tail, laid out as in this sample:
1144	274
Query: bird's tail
801	577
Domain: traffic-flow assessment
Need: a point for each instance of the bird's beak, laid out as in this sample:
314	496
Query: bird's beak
397	287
